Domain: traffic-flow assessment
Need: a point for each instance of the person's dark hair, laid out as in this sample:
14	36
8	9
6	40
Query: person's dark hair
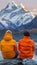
26	33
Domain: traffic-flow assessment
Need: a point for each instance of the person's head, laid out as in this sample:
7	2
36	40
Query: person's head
8	35
26	33
8	32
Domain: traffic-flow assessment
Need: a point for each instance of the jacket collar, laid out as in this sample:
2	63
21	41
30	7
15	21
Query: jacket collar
26	37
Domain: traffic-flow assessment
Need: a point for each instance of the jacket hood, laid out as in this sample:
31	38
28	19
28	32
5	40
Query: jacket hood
7	36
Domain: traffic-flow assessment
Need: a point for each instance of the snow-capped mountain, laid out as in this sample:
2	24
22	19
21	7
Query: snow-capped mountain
18	20
12	16
29	25
8	9
17	12
15	17
24	19
1	26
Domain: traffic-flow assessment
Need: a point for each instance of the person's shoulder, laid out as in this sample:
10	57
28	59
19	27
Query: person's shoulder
20	40
32	40
14	40
2	40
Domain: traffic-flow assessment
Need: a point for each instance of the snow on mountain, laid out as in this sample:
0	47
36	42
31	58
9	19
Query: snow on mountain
24	7
19	20
15	16
8	9
30	25
11	5
4	23
17	13
1	26
26	18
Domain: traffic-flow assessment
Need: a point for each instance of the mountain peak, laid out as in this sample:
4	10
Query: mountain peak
14	3
11	4
24	7
14	17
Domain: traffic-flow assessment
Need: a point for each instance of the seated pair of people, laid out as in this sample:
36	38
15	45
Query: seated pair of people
9	48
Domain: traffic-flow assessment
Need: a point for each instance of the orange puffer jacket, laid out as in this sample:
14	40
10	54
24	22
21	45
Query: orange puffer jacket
26	47
8	46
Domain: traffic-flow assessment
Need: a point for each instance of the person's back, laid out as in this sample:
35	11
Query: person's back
8	46
26	47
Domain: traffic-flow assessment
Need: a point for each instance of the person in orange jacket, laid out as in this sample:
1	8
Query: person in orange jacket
8	46
26	47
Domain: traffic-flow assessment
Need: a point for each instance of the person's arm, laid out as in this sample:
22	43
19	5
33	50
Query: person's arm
33	46
0	46
15	46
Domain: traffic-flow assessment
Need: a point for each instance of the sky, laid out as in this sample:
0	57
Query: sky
29	4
